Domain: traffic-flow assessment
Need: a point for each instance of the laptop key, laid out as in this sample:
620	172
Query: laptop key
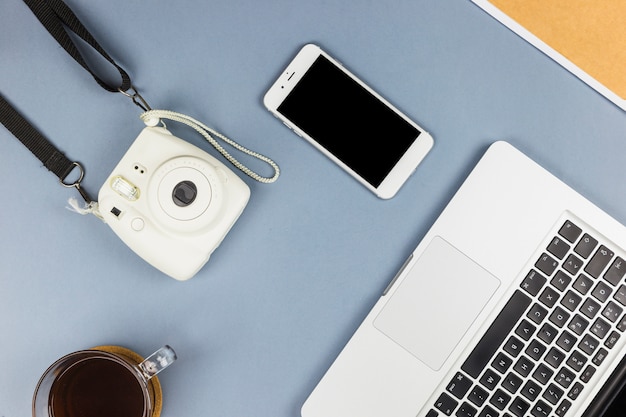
553	394
599	261
500	399
495	335
564	377
561	280
612	339
519	407
600	328
578	324
616	271
576	361
512	383
488	412
573	264
513	346
546	264
563	408
558	248
589	344
612	311
533	282
583	284
570	231
525	330
575	391
466	410
599	357
620	295
490	379
549	297
559	317
602	292
537	313
547	333
524	366
459	385
590	308
554	357
501	363
542	374
535	350
478	396
541	409
585	246
571	300
531	390
587	373
446	404
566	341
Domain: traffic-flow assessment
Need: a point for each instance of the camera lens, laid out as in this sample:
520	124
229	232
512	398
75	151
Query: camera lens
184	193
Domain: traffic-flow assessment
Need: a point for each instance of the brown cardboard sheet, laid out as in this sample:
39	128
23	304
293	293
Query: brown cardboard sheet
589	33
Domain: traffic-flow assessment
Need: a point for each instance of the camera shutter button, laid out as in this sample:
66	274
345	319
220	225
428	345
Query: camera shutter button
137	224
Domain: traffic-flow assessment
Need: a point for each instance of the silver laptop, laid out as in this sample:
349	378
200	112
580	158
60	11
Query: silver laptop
512	305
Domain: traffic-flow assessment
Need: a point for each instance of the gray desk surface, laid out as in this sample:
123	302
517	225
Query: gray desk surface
259	325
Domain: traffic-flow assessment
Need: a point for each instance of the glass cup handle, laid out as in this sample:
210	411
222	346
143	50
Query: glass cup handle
158	361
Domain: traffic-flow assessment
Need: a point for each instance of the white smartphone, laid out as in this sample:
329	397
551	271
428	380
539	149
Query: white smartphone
350	123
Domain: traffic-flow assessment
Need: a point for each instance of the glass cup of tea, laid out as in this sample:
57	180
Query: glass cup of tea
99	383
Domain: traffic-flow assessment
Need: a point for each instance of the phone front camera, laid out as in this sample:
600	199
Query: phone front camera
184	193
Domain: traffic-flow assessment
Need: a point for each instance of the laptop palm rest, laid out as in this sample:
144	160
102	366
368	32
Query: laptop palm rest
436	303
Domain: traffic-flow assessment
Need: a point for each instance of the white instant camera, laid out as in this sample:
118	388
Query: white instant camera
171	202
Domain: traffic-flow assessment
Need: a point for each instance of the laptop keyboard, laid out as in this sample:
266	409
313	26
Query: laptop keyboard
551	337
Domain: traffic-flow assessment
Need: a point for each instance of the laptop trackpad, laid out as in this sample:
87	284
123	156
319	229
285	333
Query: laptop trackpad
436	303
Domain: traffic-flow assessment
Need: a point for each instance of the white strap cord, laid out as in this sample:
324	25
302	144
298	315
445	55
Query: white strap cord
85	209
152	118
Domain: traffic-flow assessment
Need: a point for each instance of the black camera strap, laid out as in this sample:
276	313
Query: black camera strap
60	20
47	153
53	159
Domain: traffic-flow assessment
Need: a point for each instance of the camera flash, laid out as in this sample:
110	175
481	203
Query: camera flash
125	188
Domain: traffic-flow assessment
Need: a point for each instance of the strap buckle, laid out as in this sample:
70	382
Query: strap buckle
76	183
136	97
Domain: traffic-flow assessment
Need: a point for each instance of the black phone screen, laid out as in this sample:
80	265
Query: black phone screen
349	121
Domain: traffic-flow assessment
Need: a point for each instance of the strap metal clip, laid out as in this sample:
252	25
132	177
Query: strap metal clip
76	184
136	97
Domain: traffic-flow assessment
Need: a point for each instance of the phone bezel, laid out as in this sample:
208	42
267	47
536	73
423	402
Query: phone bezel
290	77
